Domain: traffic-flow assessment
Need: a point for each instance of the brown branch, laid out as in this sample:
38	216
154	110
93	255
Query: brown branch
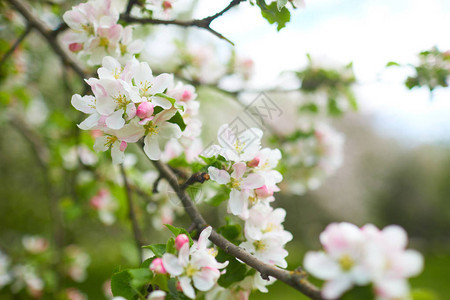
131	213
35	22
15	45
197	177
296	279
200	23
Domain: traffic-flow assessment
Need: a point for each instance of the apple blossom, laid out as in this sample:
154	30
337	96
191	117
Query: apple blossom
77	263
240	186
180	240
35	244
195	265
26	276
94	32
104	203
157	266
360	256
5	276
157	295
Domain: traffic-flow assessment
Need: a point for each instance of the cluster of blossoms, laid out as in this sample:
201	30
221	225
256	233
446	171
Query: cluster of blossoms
195	266
313	158
129	103
76	263
95	33
106	206
359	256
252	179
33	274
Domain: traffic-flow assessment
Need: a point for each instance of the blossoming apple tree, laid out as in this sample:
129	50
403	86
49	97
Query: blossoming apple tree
125	104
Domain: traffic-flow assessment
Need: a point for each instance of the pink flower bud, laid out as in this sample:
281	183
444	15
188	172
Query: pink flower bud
157	266
254	162
75	47
180	240
144	110
123	146
186	96
264	192
167	5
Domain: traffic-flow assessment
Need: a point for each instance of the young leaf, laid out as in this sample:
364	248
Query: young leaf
157	249
178	119
121	285
273	15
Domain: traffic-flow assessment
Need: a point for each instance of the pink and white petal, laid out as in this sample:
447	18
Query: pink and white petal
115	120
321	265
161	83
219	176
135	46
111	64
333	289
392	288
151	147
84	104
206	278
183	255
253	181
90	122
171	264
238	170
170	130
236	202
226	136
142	74
105	105
202	242
395	236
131	132
116	154
131	111
412	262
188	290
101	144
157	295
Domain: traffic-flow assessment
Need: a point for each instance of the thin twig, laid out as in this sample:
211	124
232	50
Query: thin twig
200	23
197	177
297	278
131	213
15	45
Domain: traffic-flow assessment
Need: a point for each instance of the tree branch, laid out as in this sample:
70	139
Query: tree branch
296	279
131	213
47	33
200	23
15	45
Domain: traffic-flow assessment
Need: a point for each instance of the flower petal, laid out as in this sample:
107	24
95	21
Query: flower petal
151	147
171	264
188	290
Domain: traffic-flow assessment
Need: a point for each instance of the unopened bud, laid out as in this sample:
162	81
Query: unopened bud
144	110
180	240
264	192
254	162
75	47
157	266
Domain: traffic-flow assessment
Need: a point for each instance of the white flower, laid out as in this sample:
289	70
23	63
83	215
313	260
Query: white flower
196	265
5	276
240	185
269	248
35	244
264	220
159	132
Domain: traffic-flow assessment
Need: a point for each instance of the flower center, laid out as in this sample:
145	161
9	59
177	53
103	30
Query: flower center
121	100
110	140
346	262
191	270
151	129
104	42
235	183
259	245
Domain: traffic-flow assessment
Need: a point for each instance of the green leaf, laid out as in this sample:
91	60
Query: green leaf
218	198
140	277
392	63
172	100
146	263
358	293
178	119
310	107
281	4
236	271
273	15
121	285
170	247
231	231
424	294
157	249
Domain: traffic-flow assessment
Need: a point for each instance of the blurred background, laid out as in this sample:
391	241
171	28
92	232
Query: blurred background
396	149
